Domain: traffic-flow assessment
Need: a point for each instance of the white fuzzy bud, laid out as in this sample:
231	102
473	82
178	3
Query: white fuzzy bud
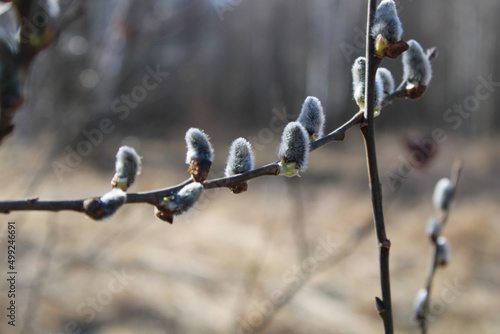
312	118
241	158
385	76
434	228
294	149
358	85
358	81
442	251
420	303
417	70
128	166
198	146
200	154
443	194
181	202
387	22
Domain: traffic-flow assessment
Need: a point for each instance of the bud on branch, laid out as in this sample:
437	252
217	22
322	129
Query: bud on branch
181	202
105	206
239	161
200	154
312	118
128	166
294	150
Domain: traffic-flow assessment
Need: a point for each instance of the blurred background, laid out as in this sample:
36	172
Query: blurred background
289	255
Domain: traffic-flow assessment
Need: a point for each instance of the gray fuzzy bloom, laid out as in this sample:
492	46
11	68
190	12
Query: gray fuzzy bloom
105	206
387	80
294	149
198	146
442	251
312	117
128	166
112	201
358	79
434	228
417	70
358	84
241	158
387	22
420	302
443	194
185	199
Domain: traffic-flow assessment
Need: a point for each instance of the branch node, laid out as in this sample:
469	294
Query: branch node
385	244
32	200
239	188
93	207
379	304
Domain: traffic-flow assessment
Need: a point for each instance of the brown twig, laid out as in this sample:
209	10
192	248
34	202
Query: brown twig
384	305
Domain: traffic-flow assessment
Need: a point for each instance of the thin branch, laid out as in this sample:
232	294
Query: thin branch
156	196
384	306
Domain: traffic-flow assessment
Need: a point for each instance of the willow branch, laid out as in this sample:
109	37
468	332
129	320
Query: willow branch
384	306
156	196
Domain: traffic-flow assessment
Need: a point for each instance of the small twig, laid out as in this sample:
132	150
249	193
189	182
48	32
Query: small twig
384	306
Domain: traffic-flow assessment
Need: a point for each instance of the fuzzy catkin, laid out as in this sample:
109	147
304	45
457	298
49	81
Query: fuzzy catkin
185	199
358	79
434	228
294	146
128	165
312	117
443	194
241	158
420	302
417	70
111	202
198	146
387	80
358	84
442	251
387	22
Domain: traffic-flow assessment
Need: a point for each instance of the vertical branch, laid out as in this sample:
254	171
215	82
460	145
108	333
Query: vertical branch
437	260
384	306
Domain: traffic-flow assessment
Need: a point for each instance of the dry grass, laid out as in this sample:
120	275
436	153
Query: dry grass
232	253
